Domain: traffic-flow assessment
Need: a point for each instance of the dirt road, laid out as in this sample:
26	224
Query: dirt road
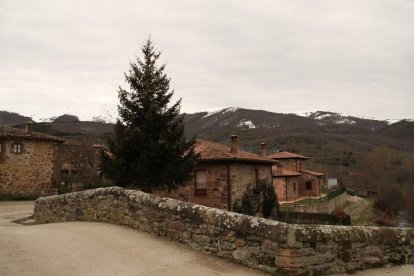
88	248
95	248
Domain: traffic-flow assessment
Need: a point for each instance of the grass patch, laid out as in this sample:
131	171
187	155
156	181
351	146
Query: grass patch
367	216
305	201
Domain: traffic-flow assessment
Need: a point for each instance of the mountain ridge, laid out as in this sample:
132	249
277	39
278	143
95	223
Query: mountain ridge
206	123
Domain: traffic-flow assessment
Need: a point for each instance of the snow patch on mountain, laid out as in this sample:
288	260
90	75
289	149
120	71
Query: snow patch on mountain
345	121
321	116
246	124
324	117
222	111
392	121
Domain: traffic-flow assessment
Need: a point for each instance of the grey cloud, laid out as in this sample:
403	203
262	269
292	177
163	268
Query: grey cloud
348	56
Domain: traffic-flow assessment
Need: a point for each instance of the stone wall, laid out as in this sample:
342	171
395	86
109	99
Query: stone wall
260	243
33	172
285	187
245	176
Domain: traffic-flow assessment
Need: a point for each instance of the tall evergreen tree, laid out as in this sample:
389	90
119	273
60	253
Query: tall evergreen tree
149	149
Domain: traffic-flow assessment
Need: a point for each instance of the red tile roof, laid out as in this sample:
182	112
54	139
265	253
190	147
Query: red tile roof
281	172
11	132
210	151
312	173
286	155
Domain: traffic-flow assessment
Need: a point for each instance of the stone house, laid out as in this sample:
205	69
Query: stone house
28	162
223	175
292	180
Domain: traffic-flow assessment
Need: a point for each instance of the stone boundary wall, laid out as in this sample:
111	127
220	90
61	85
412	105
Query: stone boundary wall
325	207
259	243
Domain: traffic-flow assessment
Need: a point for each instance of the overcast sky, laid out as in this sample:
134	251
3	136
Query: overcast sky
354	56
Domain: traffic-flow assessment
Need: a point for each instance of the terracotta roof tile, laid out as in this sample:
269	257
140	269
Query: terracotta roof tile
312	173
286	155
281	172
215	151
11	132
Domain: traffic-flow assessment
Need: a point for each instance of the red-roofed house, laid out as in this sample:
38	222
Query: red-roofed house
223	175
290	178
28	162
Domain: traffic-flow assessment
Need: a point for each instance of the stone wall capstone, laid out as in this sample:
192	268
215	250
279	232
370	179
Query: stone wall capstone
259	243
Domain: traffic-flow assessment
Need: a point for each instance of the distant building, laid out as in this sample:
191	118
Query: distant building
223	175
28	162
291	179
332	183
80	164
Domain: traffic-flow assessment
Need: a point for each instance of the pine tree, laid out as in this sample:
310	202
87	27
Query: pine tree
149	149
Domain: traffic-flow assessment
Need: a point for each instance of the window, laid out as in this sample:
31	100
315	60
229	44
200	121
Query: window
309	185
0	147
64	172
294	186
17	148
201	183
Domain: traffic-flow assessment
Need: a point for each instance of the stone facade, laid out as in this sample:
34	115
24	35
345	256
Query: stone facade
287	188
291	180
32	172
259	243
313	188
293	164
227	182
290	188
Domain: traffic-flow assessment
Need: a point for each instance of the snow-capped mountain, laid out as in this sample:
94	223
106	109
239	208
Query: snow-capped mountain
247	119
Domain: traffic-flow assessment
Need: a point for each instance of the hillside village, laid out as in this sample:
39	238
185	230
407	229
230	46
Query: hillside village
224	175
35	164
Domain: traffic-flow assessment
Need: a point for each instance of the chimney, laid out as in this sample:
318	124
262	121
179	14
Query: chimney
29	128
263	149
233	143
